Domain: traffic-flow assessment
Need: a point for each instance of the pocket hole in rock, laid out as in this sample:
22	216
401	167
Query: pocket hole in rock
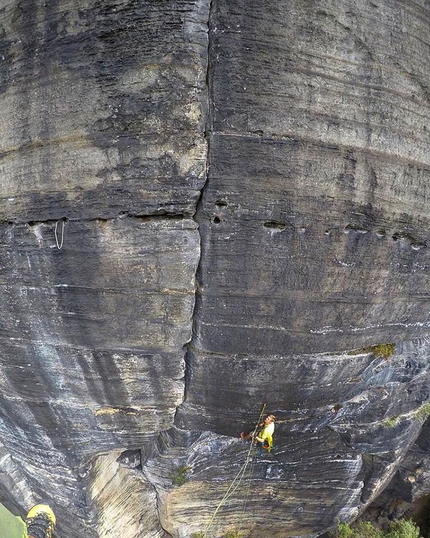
275	225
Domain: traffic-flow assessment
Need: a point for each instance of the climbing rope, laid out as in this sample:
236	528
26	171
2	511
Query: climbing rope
248	487
59	243
239	476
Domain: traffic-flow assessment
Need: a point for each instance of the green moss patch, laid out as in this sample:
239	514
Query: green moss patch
385	351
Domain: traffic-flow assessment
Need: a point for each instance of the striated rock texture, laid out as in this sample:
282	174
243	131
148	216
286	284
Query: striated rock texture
102	132
206	205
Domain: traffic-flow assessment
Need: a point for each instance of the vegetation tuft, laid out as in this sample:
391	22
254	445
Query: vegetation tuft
391	422
180	476
364	529
385	351
423	412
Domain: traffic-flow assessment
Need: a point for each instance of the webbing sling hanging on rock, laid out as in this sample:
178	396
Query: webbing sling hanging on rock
60	242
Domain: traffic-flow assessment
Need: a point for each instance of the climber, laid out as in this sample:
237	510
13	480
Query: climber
39	523
264	437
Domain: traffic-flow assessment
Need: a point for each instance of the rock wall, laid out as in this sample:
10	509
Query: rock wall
103	157
207	205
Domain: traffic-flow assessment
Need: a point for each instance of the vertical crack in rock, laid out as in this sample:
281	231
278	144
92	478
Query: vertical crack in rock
208	132
207	107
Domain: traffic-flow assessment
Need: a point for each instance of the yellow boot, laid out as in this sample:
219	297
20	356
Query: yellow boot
40	521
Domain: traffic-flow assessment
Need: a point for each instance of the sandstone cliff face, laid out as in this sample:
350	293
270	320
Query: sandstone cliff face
207	205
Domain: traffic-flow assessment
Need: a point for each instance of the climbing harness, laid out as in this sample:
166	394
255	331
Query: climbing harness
60	243
239	476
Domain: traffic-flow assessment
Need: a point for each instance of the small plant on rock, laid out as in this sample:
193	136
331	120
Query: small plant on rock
180	476
403	528
364	529
391	422
233	533
384	351
423	412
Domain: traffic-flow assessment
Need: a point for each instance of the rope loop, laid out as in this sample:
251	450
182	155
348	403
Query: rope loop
60	243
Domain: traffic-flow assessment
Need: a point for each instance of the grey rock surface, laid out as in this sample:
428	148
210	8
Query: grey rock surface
103	108
206	205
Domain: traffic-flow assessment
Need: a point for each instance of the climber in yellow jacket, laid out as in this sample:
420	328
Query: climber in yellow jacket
265	435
